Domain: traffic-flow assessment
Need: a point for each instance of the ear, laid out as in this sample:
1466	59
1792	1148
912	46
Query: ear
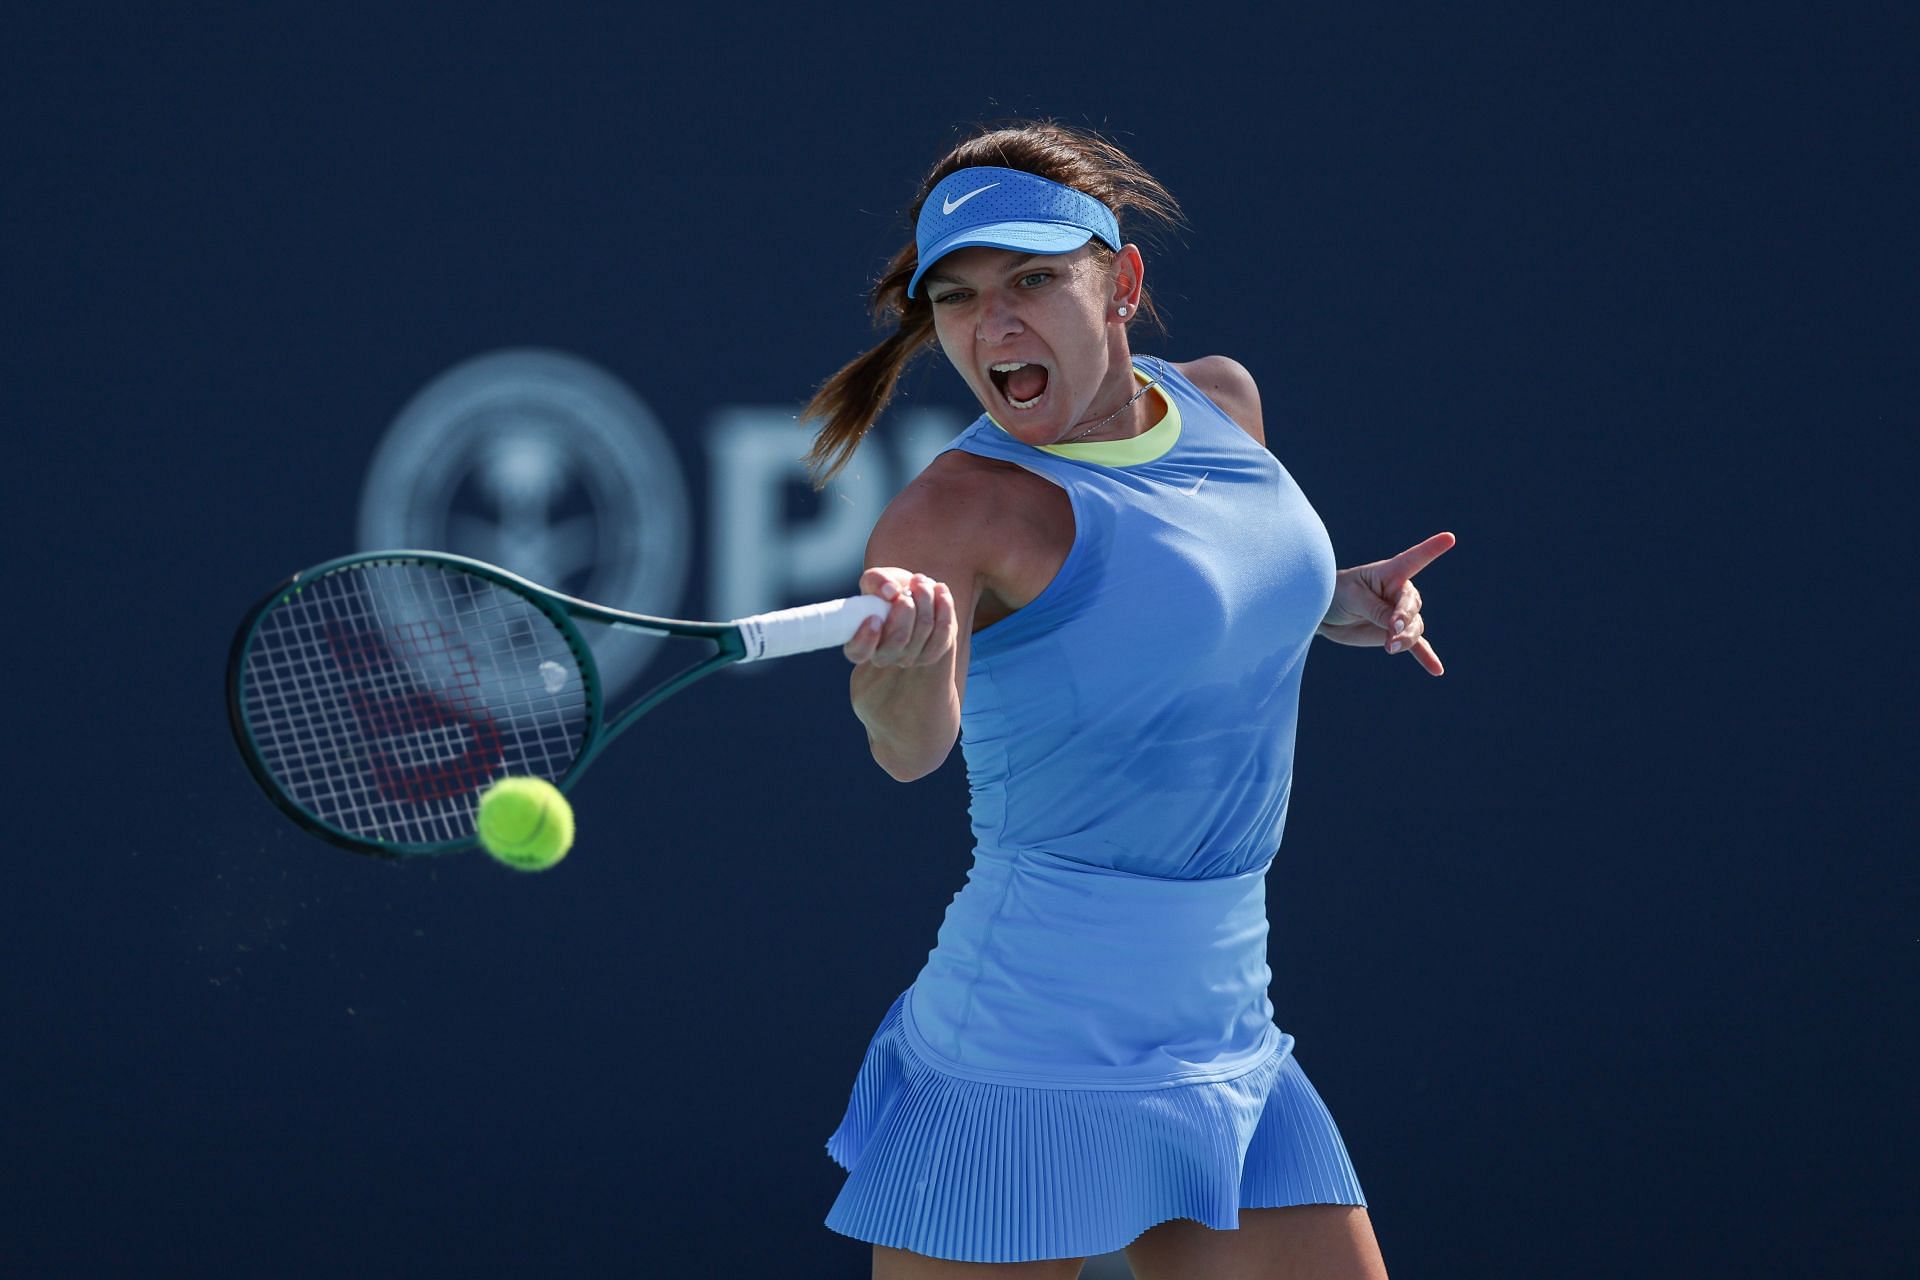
1129	275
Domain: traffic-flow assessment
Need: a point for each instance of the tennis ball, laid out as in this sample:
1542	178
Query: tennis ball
525	823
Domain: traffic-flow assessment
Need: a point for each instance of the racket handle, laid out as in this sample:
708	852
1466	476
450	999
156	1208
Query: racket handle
810	626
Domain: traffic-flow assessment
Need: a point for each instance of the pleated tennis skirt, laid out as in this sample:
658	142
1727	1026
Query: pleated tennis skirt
984	1172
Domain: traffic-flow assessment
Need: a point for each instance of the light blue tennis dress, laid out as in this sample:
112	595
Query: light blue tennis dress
1089	1049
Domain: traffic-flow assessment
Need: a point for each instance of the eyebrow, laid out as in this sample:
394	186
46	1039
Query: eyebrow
935	277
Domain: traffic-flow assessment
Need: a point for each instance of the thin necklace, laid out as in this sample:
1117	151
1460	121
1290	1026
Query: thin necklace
1145	387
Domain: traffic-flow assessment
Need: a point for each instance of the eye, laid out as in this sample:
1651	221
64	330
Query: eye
942	299
1034	279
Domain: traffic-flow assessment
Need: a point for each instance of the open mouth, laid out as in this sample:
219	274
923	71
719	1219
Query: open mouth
1021	385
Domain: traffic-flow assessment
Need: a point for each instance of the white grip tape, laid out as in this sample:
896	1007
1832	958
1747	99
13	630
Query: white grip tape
806	628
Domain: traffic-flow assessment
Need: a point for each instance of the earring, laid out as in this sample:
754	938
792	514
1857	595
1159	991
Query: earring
1123	311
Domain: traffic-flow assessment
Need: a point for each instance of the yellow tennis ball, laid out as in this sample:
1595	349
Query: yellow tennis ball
525	823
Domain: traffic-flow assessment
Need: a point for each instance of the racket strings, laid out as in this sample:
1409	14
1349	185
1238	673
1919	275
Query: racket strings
384	697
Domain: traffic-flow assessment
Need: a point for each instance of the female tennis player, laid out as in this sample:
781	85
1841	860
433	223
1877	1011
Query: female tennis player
1105	589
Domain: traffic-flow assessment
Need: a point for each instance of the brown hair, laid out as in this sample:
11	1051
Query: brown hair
848	403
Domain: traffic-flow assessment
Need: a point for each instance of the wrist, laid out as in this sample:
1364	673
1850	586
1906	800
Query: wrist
910	715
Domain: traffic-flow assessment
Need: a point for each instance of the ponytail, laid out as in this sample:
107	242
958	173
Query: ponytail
848	403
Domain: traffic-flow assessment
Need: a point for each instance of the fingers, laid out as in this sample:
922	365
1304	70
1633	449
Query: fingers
873	580
913	611
860	648
918	628
1405	627
1404	617
1421	554
1413	640
1408	635
1406	631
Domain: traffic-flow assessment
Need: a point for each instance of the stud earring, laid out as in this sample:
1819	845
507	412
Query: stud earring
1123	312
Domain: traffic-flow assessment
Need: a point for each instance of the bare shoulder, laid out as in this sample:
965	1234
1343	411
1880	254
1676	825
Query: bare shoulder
957	490
1229	385
960	514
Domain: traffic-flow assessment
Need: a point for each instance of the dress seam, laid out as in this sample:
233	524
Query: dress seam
1277	1046
986	941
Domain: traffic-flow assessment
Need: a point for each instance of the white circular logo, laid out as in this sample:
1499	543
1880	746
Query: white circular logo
547	466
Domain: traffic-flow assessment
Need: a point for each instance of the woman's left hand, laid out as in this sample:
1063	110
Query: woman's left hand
1375	604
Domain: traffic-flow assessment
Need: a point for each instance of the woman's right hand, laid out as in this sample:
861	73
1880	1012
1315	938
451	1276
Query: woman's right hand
919	628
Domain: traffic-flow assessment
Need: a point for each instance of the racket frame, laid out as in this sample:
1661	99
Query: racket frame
559	608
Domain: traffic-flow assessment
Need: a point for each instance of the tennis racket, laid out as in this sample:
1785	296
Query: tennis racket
376	696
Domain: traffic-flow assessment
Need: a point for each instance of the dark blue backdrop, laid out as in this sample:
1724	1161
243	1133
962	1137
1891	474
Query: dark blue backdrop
1601	948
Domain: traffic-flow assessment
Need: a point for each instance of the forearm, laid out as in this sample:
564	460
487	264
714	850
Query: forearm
912	715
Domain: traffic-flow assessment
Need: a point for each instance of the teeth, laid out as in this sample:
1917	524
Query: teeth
1010	367
1026	404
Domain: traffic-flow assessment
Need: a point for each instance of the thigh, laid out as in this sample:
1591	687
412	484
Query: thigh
1324	1241
899	1264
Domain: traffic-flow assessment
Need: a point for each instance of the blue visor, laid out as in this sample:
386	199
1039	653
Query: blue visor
1007	209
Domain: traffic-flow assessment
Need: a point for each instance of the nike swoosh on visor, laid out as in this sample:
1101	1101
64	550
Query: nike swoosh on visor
948	206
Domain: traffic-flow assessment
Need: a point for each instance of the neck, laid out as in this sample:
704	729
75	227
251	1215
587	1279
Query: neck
1131	412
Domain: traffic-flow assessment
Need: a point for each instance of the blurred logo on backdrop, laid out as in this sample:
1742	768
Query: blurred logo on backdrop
550	466
546	465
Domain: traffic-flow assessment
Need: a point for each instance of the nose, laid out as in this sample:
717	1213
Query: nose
996	319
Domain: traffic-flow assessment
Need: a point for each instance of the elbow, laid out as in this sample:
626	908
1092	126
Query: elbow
907	765
903	772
